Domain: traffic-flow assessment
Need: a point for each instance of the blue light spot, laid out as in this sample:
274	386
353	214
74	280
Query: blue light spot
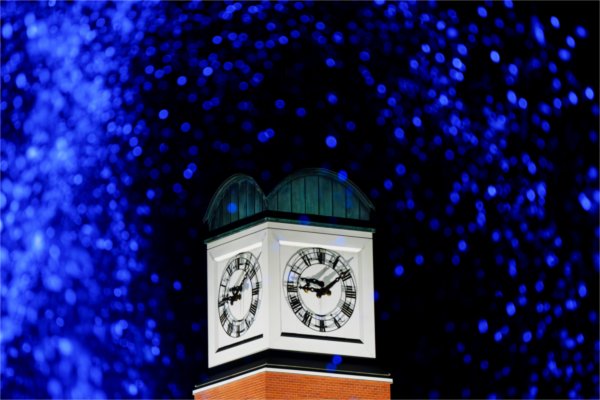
581	31
399	270
330	62
573	98
375	295
538	31
522	103
527	336
462	245
337	359
207	71
419	259
331	141
182	80
585	202
232	208
400	169
163	114
564	54
482	12
483	326
570	41
177	285
388	184
342	175
539	286
454	197
495	56
416	121
510	309
498	336
399	133
582	290
589	93
332	98
301	112
555	22
511	96
491	191
217	39
280	104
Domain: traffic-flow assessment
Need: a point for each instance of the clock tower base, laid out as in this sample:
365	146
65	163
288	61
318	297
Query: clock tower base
283	383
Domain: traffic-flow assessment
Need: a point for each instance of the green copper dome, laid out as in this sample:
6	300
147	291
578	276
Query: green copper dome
310	192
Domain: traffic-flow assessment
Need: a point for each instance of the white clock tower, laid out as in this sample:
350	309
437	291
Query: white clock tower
290	287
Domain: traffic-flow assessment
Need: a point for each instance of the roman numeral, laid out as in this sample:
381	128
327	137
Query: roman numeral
337	323
223	318
229	270
345	275
238	263
350	292
305	258
253	307
251	273
307	318
321	326
291	288
222	302
321	256
346	309
295	304
335	262
229	328
255	291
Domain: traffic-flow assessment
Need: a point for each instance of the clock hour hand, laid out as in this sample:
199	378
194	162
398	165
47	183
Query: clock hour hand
326	290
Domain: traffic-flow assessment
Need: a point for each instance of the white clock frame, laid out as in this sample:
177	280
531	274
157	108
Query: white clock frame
276	326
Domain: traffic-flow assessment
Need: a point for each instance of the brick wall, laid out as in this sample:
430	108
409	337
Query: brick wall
281	385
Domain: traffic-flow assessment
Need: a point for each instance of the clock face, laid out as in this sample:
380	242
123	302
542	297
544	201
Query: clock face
320	288
239	294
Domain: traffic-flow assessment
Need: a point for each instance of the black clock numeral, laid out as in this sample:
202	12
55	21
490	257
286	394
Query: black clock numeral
335	262
321	256
291	288
223	318
222	302
255	291
251	273
253	307
346	309
321	326
337	323
238	263
305	258
229	328
350	292
307	318
295	304
345	275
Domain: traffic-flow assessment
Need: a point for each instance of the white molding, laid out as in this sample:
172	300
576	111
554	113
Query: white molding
325	246
293	371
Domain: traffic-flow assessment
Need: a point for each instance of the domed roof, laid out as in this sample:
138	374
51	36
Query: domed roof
311	191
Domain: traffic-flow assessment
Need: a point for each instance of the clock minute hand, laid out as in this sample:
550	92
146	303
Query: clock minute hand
313	281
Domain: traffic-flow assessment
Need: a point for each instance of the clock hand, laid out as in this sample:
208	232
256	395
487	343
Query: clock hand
326	290
313	281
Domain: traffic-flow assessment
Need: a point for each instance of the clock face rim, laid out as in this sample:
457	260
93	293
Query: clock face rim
224	312
304	258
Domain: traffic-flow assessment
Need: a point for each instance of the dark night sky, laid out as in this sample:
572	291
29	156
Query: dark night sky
473	128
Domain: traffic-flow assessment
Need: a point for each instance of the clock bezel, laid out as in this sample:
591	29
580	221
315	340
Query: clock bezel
254	275
304	259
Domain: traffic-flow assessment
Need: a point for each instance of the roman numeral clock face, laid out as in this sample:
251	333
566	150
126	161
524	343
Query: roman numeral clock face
239	294
320	288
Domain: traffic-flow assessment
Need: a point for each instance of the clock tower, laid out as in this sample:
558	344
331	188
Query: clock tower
290	291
